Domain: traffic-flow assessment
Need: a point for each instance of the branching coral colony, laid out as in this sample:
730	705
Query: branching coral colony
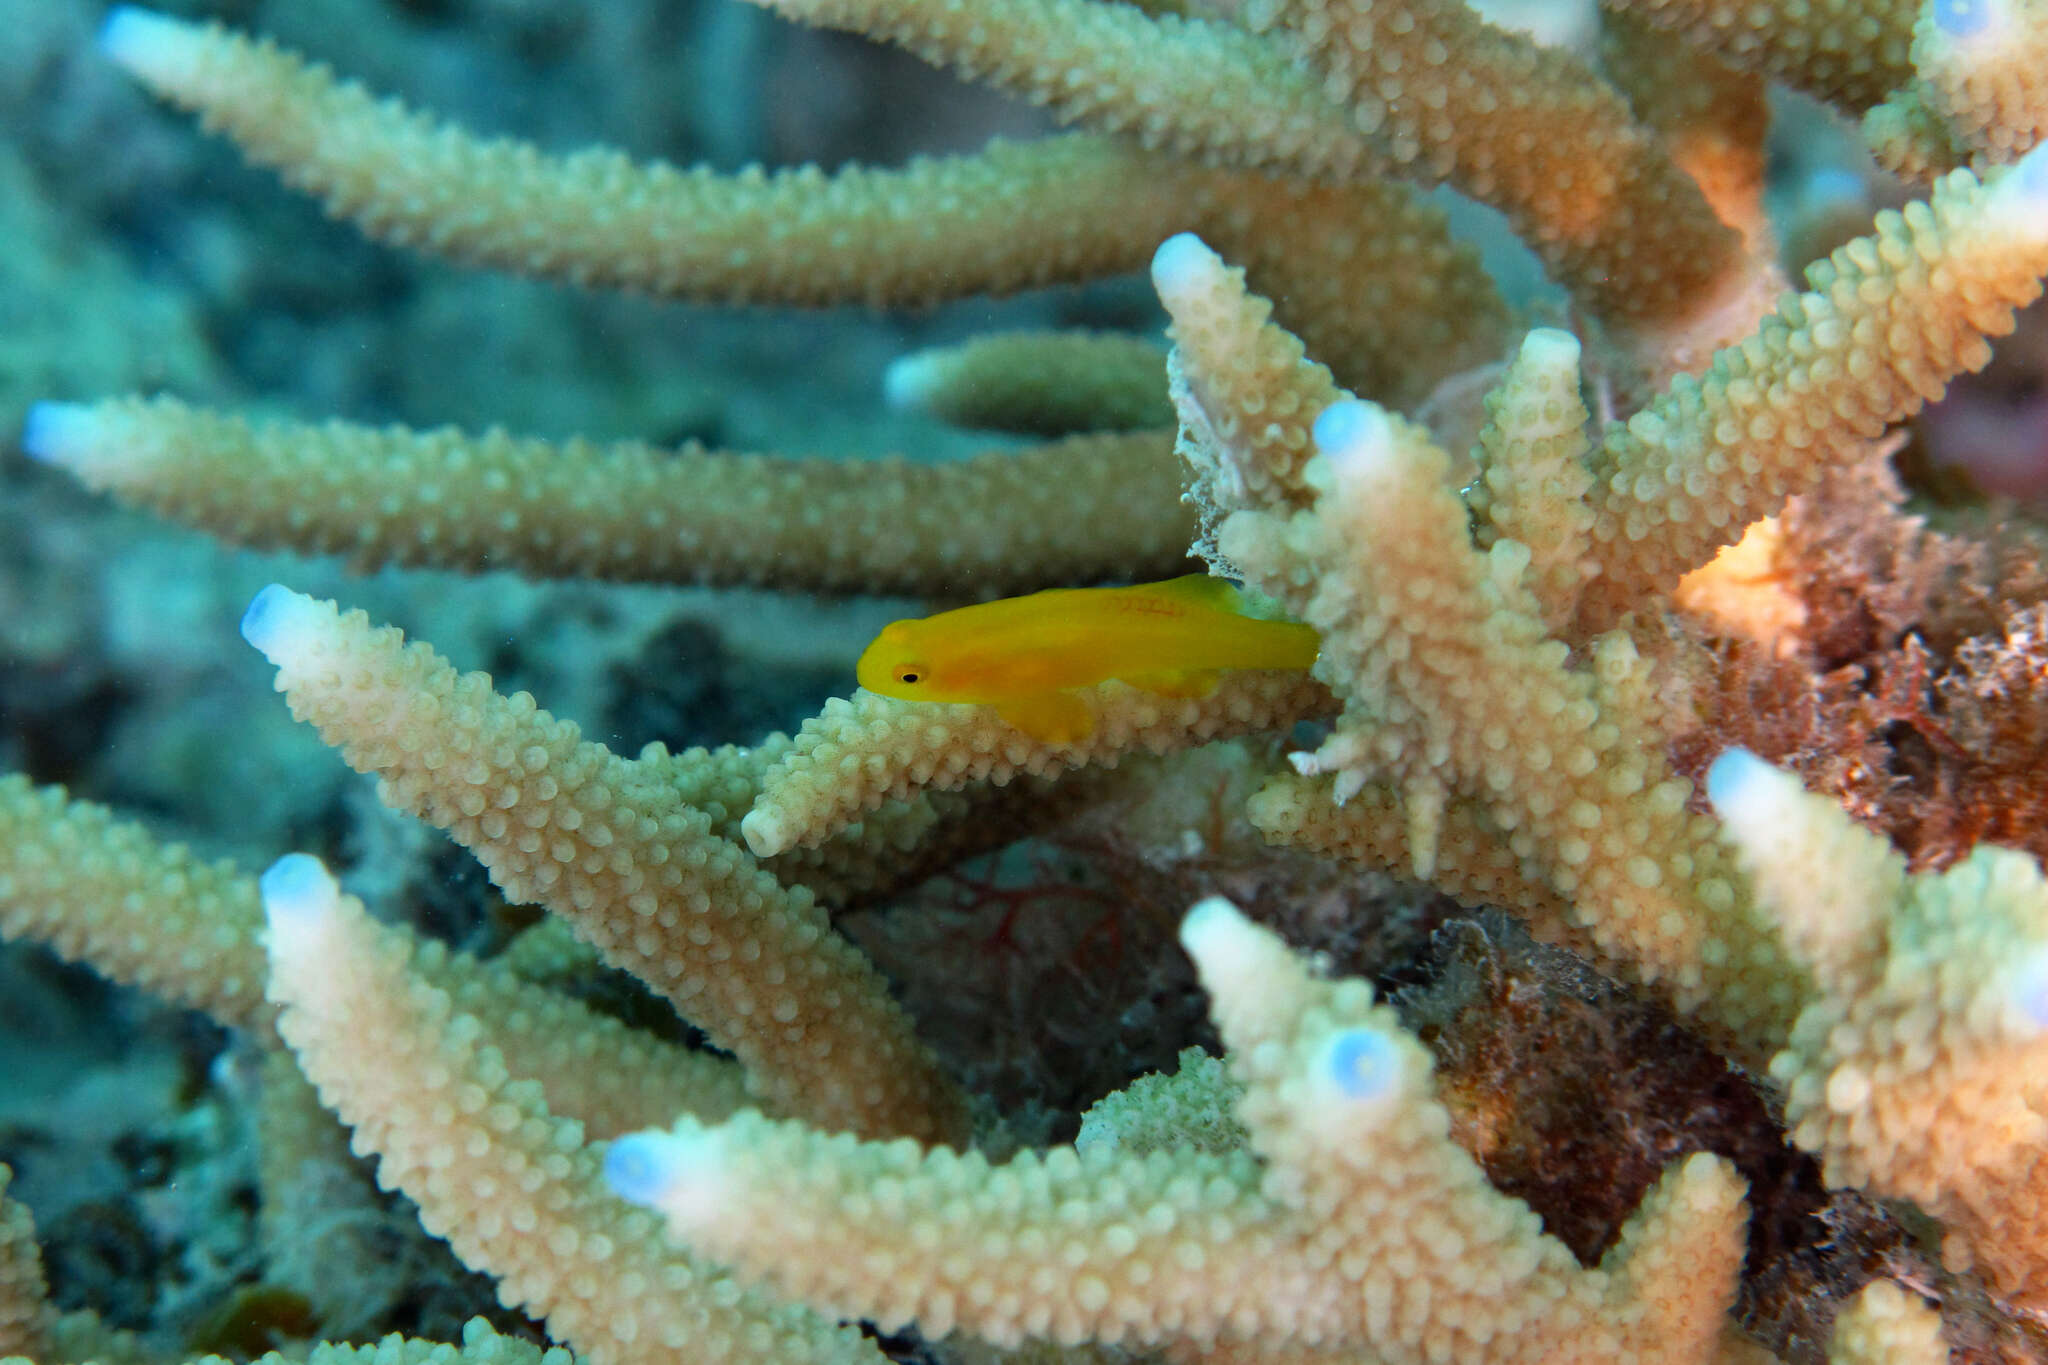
1510	681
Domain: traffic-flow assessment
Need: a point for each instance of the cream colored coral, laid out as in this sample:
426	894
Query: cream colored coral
1001	220
1193	1108
1454	691
1456	696
884	849
1529	130
513	1188
1045	383
1010	217
610	846
1713	116
1533	475
1911	140
1241	382
1359	1226
1920	1067
1852	53
1887	1325
856	754
25	1312
107	893
1206	89
1888	320
1983	67
104	891
481	1345
1089	507
1202	88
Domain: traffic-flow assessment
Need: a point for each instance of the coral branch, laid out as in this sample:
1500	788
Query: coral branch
1849	52
512	1188
1086	508
1888	320
860	753
1368	1228
609	846
1920	1069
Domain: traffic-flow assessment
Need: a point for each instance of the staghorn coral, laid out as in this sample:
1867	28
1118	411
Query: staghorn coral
1518	673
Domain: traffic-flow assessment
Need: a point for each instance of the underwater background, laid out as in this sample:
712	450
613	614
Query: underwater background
139	255
142	256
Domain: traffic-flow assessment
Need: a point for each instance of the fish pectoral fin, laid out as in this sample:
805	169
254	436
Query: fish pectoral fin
1049	717
1180	682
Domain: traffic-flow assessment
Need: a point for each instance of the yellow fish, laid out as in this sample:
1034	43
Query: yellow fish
1025	656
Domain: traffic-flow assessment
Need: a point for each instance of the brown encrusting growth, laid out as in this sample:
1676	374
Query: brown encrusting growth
1916	690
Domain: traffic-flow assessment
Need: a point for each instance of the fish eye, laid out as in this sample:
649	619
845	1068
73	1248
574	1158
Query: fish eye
910	673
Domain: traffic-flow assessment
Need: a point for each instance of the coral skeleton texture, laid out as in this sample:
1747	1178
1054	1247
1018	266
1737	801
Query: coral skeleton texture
1487	517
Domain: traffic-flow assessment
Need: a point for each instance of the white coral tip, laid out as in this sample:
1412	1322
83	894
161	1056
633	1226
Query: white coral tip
1183	266
154	48
1553	348
1240	964
279	622
675	1174
766	832
1212	926
1747	793
1354	442
299	894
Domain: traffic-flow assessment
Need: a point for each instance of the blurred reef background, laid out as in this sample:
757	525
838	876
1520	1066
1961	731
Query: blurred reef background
144	256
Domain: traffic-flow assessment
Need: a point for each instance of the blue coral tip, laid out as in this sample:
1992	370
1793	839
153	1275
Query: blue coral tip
54	432
1344	424
1364	1064
1963	18
265	610
129	28
297	886
1729	774
2030	172
640	1166
2026	987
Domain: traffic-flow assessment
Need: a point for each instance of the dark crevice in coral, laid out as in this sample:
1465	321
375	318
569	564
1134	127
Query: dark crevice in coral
1575	1094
